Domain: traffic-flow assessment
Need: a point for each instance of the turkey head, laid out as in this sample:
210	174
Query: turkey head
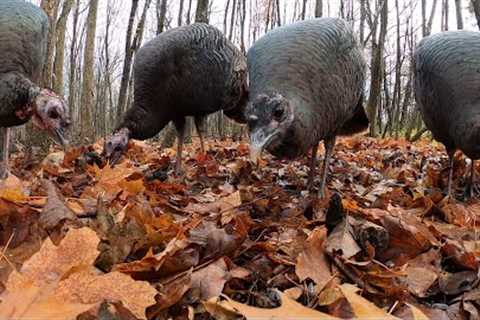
116	145
51	114
269	117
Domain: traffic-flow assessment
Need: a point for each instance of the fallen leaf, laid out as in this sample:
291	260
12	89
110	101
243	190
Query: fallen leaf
341	241
209	281
88	287
420	280
417	313
170	293
363	308
289	310
51	263
311	262
11	189
33	302
55	210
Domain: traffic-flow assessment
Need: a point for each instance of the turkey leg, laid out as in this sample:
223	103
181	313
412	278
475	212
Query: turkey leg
313	166
181	128
4	165
472	188
329	144
200	125
451	157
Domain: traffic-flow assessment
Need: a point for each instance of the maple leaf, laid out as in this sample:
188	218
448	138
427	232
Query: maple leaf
289	310
51	263
90	287
211	279
311	262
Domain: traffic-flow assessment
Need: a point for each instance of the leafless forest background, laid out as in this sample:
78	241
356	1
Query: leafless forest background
92	45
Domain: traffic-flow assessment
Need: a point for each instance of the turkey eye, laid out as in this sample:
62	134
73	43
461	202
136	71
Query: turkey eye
252	119
53	114
278	113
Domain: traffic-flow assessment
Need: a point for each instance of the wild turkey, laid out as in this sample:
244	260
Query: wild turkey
306	85
447	91
23	39
187	71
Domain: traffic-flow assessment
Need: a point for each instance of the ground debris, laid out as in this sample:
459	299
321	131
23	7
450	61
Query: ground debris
80	239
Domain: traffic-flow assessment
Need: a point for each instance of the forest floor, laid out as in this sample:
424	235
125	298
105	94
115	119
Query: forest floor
230	240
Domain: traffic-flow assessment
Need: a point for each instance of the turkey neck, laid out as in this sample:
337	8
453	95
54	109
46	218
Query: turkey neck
143	123
17	99
305	124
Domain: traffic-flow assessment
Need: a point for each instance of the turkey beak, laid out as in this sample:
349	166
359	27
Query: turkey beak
114	158
258	141
60	137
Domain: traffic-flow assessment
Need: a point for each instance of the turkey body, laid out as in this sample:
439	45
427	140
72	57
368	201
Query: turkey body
447	90
23	36
23	40
318	68
187	71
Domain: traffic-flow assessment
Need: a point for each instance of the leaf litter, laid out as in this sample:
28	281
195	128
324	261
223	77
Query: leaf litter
80	239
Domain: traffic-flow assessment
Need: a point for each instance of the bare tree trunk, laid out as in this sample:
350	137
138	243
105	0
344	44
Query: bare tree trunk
458	8
201	14
161	14
232	20
180	13
377	67
60	46
424	18
225	17
127	64
279	18
72	86
319	8
432	15
108	104
342	9
304	9
169	132
51	9
189	11
445	13
398	77
267	18
137	40
363	14
243	16
476	10
87	125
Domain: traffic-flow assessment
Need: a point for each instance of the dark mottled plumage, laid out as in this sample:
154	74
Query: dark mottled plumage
23	40
314	68
447	90
187	71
